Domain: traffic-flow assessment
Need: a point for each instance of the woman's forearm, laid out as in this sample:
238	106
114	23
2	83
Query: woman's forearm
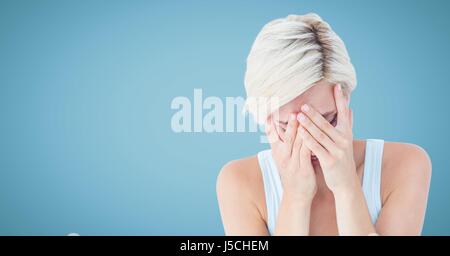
293	217
352	214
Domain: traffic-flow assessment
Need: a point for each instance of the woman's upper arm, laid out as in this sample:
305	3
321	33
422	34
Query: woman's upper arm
409	177
240	214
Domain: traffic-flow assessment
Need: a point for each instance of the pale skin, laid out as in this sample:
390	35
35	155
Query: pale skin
322	195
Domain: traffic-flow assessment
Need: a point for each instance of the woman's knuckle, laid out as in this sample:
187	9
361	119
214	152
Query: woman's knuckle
322	136
339	153
332	161
345	143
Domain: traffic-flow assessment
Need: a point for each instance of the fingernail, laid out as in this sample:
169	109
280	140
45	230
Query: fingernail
301	117
339	87
305	108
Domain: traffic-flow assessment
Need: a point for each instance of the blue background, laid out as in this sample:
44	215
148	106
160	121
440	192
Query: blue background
85	90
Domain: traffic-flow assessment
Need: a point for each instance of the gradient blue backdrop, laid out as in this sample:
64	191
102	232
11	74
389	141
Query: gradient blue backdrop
85	90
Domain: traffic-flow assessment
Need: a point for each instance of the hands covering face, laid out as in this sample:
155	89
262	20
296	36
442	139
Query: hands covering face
333	146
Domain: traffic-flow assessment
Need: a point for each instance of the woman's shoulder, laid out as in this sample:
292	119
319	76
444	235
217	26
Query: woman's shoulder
240	194
399	154
404	164
241	179
239	173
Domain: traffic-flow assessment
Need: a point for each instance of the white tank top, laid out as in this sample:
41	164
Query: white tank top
371	181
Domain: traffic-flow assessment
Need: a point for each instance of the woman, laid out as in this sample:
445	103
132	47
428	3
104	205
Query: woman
316	179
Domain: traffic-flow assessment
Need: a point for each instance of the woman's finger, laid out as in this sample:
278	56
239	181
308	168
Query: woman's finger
342	107
351	118
297	145
272	134
317	133
313	145
291	132
305	159
322	123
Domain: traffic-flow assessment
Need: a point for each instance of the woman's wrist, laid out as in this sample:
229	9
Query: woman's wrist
294	215
347	194
349	188
296	200
351	211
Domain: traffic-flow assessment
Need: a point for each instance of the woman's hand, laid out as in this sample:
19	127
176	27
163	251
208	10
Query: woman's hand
334	149
293	161
333	146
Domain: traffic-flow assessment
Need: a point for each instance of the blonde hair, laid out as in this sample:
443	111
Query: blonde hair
288	56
